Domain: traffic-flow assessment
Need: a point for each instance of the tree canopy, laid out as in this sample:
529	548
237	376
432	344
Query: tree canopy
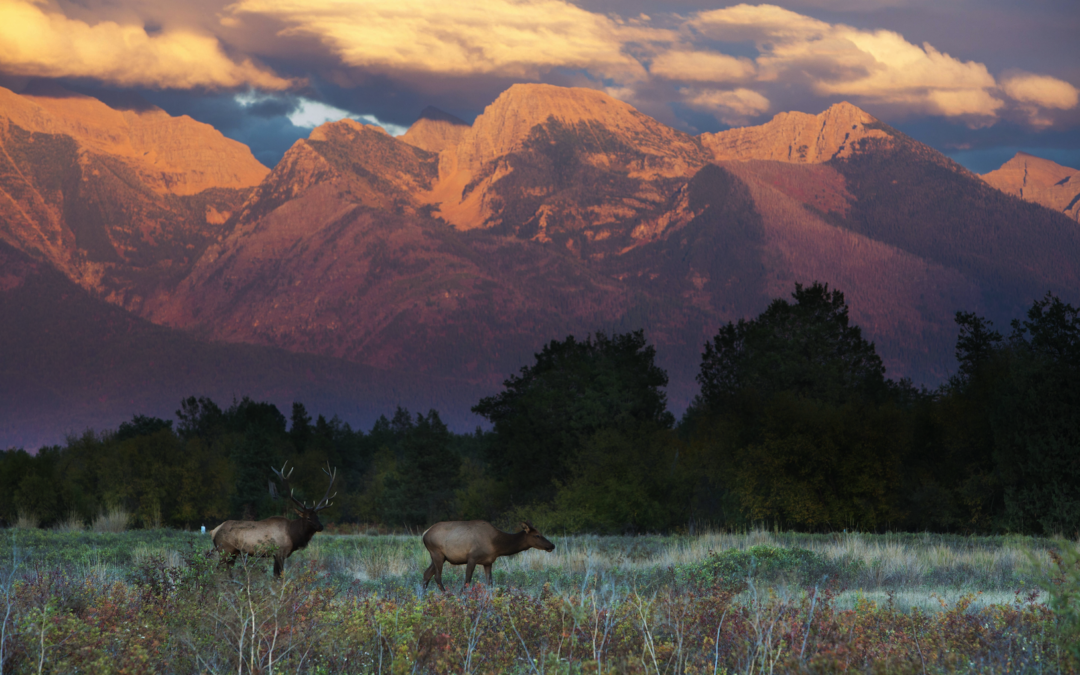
807	347
576	388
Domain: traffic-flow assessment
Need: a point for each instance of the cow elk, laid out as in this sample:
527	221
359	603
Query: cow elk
277	536
475	542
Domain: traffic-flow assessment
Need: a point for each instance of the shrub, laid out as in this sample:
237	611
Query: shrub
1063	588
730	568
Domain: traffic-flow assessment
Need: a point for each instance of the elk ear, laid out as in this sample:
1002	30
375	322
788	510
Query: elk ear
298	512
525	527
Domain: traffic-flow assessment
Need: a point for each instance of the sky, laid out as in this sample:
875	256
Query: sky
976	79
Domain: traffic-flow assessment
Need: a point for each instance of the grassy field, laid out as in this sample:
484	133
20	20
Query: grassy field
156	601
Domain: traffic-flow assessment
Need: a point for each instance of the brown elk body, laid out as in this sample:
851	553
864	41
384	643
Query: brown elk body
276	536
475	542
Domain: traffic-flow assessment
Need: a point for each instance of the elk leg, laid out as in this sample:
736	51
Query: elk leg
487	573
469	567
279	566
434	570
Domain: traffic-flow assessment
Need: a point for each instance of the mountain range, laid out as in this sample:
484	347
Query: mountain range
422	270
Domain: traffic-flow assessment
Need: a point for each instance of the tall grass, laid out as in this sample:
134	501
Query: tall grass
72	523
114	520
158	601
26	520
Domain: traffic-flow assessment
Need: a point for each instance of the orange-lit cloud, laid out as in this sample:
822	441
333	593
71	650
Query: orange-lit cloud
733	107
510	38
37	42
426	46
702	66
1040	90
844	62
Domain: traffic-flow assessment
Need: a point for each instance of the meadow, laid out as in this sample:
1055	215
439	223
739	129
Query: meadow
157	601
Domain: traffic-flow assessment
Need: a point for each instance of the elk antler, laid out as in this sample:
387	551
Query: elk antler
285	480
326	503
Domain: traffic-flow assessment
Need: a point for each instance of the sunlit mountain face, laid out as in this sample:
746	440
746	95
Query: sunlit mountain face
425	268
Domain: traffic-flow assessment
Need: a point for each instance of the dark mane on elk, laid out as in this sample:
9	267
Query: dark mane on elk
277	536
475	542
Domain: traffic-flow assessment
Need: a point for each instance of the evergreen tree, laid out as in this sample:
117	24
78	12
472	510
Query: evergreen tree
807	348
795	422
545	415
300	431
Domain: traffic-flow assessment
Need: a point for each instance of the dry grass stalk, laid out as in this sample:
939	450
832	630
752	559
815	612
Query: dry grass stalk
72	523
115	520
27	520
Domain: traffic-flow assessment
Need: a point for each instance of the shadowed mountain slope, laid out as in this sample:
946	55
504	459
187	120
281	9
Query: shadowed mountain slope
73	362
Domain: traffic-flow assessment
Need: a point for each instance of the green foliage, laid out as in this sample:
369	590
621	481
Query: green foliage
420	483
808	348
622	480
821	465
1013	421
796	423
547	413
731	568
1063	588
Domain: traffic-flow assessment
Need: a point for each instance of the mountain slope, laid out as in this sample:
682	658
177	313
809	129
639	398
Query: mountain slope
73	362
1041	181
798	137
173	155
913	198
597	217
435	130
120	201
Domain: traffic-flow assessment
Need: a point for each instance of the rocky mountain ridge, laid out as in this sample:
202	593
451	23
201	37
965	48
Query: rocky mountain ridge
119	200
453	253
1040	181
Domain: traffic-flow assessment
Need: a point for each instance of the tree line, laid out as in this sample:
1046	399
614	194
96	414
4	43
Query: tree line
795	426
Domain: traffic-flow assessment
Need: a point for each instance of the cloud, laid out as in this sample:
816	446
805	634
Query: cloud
702	66
730	107
1040	90
836	61
41	43
514	38
389	58
308	114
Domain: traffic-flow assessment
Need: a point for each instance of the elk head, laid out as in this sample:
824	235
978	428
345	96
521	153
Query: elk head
308	514
534	539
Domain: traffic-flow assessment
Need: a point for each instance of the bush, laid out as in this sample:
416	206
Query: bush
1063	587
730	569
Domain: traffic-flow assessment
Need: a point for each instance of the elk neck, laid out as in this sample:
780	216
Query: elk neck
509	544
300	533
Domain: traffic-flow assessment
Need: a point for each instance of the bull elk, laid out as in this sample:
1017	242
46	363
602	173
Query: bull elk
277	536
475	542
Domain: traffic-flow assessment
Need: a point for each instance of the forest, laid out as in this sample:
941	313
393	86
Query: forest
796	427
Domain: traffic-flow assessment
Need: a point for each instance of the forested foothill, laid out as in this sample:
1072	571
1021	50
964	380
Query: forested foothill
796	426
